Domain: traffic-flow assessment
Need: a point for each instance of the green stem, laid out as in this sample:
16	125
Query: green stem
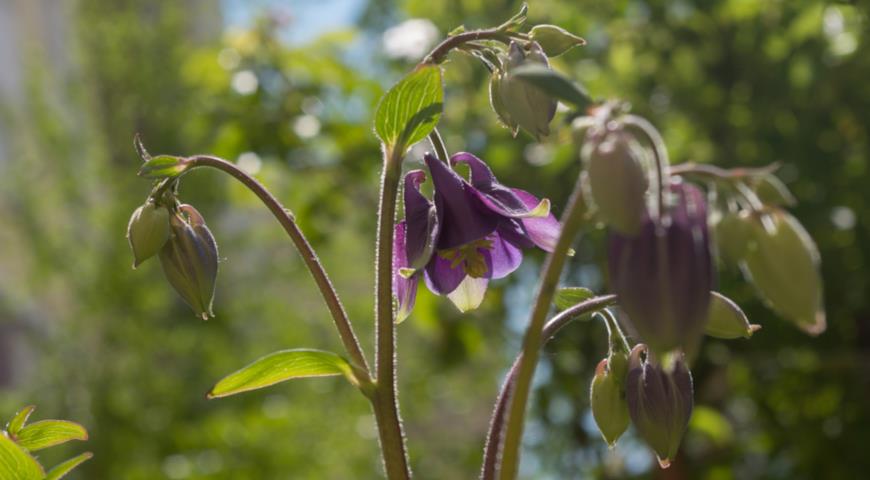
439	53
496	423
572	220
285	218
385	401
439	146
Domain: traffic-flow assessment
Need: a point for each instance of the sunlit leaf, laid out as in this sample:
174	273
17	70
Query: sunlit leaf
17	464
20	418
553	83
569	296
281	366
411	109
60	470
48	433
163	166
726	320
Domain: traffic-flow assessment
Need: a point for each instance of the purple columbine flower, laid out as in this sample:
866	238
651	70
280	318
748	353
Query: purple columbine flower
664	274
474	231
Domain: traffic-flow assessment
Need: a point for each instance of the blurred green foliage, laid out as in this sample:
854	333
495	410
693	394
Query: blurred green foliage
736	83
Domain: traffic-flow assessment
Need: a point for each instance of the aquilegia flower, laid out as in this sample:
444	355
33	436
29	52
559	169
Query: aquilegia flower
664	274
474	231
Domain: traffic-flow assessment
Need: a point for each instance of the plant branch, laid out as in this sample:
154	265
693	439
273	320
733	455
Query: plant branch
719	173
496	423
385	401
439	53
285	218
439	146
660	154
572	220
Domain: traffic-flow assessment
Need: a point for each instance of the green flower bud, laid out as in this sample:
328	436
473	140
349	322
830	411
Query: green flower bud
782	261
617	178
659	402
726	320
497	104
607	398
147	231
772	191
190	260
554	40
525	106
733	235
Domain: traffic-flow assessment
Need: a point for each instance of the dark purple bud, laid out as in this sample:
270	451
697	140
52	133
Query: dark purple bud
659	401
190	260
664	274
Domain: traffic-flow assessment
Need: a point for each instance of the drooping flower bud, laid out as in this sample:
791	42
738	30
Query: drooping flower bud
618	179
726	320
732	233
607	397
664	274
782	261
659	401
190	260
519	104
147	231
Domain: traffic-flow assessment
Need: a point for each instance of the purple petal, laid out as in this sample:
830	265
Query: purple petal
498	198
421	220
505	256
543	231
404	289
462	217
441	277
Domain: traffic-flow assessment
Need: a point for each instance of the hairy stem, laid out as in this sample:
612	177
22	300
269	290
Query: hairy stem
439	146
285	218
572	220
496	422
439	53
385	401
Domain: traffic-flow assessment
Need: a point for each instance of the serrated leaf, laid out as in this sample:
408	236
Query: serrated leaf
60	470
411	109
163	166
553	83
20	418
48	433
16	463
569	296
282	366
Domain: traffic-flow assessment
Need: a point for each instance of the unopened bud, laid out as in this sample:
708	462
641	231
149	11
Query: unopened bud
607	398
659	402
782	261
522	105
147	231
554	40
190	260
732	234
726	320
617	178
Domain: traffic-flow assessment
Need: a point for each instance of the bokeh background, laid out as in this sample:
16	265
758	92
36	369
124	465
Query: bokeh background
286	89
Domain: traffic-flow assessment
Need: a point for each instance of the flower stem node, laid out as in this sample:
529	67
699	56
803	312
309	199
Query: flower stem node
659	400
147	231
607	398
190	260
517	103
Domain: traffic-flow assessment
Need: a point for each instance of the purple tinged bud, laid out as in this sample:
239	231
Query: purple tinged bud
607	398
664	274
659	401
618	179
147	231
190	260
519	104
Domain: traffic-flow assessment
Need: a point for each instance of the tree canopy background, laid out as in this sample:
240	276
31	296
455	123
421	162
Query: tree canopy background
735	83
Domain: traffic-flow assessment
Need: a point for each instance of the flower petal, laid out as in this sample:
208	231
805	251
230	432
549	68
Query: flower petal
505	256
421	219
469	294
543	231
462	217
404	289
498	198
441	277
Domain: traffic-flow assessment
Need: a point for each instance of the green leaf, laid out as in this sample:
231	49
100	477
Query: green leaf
726	320
554	40
164	166
411	109
48	433
20	418
60	470
514	23
16	463
553	83
569	296
281	366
